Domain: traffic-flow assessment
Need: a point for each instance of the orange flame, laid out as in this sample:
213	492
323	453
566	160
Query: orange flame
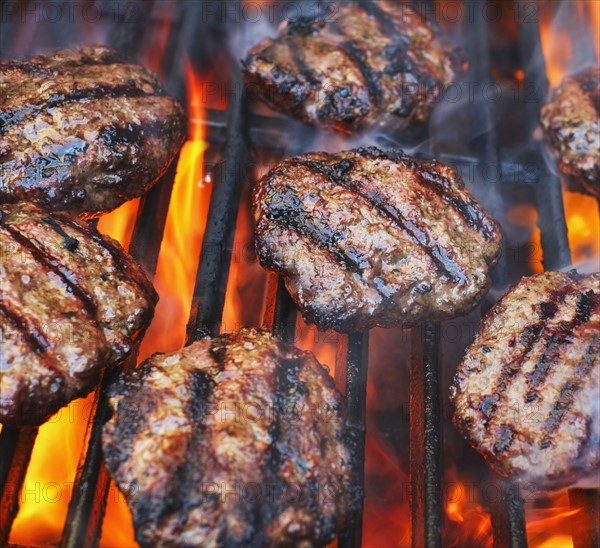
175	276
47	488
182	239
558	53
551	527
386	520
467	523
583	222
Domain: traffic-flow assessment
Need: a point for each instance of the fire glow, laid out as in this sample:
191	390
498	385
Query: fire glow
46	491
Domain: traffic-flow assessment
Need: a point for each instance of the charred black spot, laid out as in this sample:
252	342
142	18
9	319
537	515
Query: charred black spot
548	310
218	351
304	25
114	135
586	302
545	443
505	438
342	167
531	396
487	406
69	243
202	386
393	52
423	288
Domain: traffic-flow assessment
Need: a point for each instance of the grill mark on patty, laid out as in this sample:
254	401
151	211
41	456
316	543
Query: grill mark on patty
528	337
471	214
30	331
180	496
134	416
431	179
53	265
11	117
568	391
353	51
589	83
474	216
385	22
561	336
287	393
288	211
417	233
107	245
508	372
505	438
302	66
371	78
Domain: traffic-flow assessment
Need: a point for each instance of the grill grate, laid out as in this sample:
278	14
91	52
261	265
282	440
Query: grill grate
237	131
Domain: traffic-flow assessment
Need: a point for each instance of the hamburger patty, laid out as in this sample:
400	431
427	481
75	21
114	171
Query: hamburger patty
526	393
367	238
369	62
571	127
241	440
72	302
83	130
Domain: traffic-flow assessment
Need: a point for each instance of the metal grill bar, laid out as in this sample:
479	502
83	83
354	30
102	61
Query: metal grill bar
425	439
16	445
508	515
552	223
508	519
351	377
280	312
215	258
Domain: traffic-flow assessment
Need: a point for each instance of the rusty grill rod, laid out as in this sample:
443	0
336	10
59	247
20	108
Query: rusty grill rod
425	439
508	514
215	258
551	220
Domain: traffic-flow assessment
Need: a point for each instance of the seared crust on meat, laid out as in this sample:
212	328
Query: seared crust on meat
526	393
241	440
367	238
83	130
572	129
368	63
72	302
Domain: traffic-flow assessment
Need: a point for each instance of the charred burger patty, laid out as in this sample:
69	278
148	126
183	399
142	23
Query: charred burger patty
370	238
241	440
526	393
363	63
571	126
83	130
72	302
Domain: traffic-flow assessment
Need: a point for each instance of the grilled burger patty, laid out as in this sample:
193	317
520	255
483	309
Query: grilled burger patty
571	127
369	62
526	393
83	130
367	238
241	440
71	303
